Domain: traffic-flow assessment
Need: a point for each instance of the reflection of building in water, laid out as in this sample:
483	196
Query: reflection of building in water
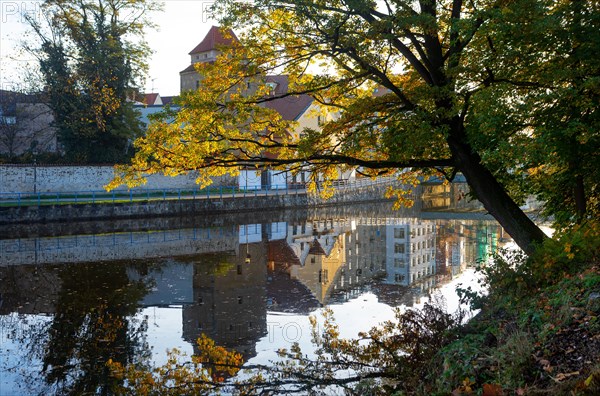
334	258
321	267
410	250
463	243
452	196
230	303
285	294
395	295
319	249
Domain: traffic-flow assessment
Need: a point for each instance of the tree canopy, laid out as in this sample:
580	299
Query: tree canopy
92	58
505	92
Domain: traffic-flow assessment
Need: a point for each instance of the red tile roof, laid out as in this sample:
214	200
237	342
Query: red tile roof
213	39
188	69
168	99
290	107
150	98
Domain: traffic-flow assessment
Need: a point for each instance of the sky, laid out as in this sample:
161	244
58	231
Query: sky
181	26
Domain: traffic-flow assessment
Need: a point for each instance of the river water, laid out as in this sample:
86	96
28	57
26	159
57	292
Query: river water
75	295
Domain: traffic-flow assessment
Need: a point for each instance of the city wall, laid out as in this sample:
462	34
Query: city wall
62	178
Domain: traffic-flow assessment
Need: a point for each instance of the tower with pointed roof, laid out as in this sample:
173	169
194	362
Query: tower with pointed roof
206	51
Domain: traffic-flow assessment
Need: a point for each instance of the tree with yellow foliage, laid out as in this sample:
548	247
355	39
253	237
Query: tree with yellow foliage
433	87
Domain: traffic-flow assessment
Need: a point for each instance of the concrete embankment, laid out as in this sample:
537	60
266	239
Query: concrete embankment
181	207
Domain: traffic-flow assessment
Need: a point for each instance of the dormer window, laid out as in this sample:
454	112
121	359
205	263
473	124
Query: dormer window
271	85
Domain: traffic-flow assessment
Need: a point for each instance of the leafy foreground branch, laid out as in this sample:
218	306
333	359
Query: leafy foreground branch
537	333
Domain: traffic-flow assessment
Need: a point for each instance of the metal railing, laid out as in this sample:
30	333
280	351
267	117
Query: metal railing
19	199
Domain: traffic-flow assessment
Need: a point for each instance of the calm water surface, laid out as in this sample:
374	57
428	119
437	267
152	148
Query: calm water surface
70	302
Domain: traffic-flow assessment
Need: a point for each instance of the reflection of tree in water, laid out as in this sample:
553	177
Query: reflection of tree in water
92	324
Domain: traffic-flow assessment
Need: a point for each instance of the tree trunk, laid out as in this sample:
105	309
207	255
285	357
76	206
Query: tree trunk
494	198
580	201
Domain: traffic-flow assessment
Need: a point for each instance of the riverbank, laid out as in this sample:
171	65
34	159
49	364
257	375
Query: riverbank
538	332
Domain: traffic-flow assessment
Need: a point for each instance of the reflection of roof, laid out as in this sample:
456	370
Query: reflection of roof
281	253
290	107
213	39
316	249
288	295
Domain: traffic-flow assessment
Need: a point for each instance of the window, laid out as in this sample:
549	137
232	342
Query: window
197	84
323	276
399	233
399	248
398	277
399	262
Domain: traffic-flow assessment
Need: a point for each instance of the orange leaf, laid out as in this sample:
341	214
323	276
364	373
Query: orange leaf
492	390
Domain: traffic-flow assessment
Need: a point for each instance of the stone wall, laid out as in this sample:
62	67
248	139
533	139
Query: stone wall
183	207
47	178
117	246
